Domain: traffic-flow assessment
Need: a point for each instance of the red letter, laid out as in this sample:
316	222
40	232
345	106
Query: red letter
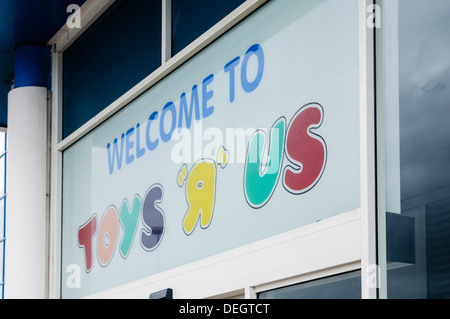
85	235
305	150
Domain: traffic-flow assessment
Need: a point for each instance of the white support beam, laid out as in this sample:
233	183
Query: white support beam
166	38
369	275
26	233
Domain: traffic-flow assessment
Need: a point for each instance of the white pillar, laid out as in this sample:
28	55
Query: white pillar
26	187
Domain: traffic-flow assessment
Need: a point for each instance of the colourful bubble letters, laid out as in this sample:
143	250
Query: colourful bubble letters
128	217
200	185
85	235
153	218
107	236
305	150
261	178
222	157
200	195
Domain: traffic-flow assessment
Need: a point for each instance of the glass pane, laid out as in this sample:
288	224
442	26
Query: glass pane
414	113
344	286
112	56
192	18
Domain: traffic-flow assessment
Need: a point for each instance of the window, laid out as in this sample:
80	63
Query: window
190	19
118	51
414	149
342	286
123	47
252	77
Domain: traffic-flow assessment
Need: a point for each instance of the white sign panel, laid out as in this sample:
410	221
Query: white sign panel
256	135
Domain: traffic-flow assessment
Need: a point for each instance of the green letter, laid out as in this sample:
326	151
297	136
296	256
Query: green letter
261	177
129	221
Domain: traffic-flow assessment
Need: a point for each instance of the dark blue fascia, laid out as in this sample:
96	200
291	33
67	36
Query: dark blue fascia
32	66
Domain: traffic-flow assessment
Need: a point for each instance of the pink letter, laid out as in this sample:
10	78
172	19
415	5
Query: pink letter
107	236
